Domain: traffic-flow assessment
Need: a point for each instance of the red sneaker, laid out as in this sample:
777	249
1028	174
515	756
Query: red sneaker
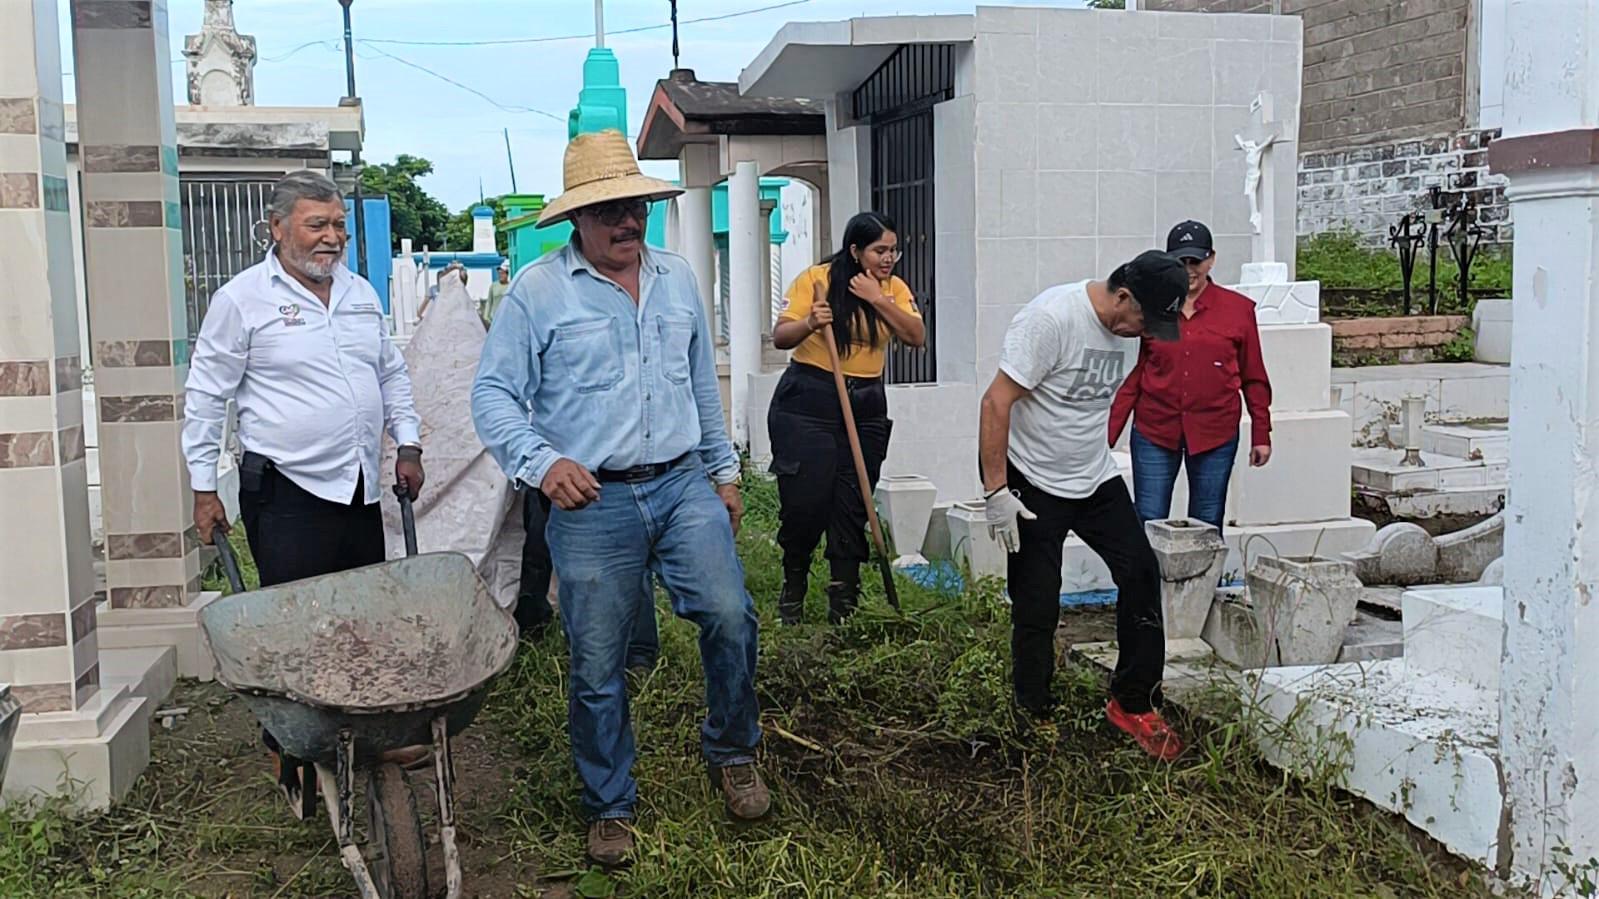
1149	729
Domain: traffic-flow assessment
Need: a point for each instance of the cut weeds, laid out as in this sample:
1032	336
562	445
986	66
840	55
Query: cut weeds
896	766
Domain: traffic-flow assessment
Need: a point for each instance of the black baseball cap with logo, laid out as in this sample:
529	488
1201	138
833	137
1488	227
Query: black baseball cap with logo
1190	240
1159	282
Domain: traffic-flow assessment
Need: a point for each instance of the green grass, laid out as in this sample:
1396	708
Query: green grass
925	785
1365	280
897	768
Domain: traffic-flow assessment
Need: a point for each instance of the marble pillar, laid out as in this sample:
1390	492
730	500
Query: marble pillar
135	281
698	163
698	246
1549	721
746	307
48	648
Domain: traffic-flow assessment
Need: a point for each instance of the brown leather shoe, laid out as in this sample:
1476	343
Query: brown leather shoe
610	841
748	799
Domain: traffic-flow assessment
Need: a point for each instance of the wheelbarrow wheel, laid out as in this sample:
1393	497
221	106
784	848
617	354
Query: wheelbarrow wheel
400	867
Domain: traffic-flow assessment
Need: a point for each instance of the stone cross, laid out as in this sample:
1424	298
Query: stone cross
1256	141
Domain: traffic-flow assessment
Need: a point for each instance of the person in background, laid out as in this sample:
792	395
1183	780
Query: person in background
606	341
298	341
502	283
857	293
1047	472
1183	396
453	270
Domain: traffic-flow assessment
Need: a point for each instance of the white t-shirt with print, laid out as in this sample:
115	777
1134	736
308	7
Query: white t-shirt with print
1071	366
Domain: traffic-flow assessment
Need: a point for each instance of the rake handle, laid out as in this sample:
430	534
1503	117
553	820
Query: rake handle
860	467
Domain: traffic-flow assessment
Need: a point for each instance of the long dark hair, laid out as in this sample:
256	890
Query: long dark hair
853	319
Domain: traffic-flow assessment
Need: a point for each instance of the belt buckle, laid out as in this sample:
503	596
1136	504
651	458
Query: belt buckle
638	474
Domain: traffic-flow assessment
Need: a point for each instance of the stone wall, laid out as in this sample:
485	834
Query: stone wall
1387	110
1374	72
1366	189
1400	339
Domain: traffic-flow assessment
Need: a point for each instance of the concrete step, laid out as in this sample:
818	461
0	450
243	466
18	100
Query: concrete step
1485	440
1455	632
1422	747
147	671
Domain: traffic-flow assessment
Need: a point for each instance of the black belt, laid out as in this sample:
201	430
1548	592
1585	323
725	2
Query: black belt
822	374
638	474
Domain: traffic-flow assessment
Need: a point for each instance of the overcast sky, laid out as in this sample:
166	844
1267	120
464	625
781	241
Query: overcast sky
411	111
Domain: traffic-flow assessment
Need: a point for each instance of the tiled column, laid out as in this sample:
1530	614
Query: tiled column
48	649
139	324
746	305
1549	721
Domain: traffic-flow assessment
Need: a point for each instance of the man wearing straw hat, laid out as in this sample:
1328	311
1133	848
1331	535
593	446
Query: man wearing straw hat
607	341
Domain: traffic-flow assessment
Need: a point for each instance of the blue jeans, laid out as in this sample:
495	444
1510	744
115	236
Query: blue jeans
1155	473
533	609
677	527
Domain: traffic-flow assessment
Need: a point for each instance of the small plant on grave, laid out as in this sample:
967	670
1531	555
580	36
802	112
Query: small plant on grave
1460	348
1581	877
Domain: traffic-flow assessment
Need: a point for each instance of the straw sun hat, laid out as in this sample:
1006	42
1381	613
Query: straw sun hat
599	167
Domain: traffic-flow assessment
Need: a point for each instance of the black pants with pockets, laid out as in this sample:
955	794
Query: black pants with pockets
817	488
532	597
294	534
1108	523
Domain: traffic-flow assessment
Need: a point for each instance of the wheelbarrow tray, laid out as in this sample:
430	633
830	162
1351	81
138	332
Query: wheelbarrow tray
379	651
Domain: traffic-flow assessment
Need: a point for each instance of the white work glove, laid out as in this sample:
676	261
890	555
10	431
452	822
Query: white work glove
1004	509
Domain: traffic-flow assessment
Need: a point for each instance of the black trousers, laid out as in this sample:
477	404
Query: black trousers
817	489
295	535
532	596
1108	523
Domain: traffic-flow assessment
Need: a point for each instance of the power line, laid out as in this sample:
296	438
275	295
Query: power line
585	35
506	107
331	45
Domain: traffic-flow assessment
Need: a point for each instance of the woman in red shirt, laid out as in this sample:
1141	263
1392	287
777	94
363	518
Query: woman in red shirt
1183	395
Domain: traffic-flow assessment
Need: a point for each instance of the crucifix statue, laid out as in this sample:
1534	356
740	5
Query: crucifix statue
1256	140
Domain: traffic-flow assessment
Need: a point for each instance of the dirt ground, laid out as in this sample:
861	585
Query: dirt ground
290	857
1085	625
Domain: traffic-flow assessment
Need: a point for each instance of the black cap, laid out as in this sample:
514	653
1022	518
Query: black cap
1190	240
1159	282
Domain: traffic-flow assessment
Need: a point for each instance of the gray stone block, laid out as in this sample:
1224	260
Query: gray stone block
1302	606
1466	555
1191	555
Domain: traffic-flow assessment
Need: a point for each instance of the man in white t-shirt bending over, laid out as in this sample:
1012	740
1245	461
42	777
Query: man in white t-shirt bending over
1047	471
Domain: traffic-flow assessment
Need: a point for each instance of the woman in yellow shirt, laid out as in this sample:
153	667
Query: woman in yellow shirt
857	293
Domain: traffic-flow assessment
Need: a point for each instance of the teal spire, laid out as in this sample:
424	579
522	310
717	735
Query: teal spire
602	103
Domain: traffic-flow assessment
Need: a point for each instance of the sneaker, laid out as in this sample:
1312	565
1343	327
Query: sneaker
610	841
747	797
1149	729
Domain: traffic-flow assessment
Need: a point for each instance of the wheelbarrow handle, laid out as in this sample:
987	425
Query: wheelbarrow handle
230	563
407	519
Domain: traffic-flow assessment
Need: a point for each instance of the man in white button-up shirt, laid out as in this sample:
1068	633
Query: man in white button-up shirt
299	342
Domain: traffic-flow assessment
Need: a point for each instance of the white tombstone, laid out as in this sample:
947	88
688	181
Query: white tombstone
221	61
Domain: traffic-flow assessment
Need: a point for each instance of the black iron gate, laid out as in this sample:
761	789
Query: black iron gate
224	233
897	102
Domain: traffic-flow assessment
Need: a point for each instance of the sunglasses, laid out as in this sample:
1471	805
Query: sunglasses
616	211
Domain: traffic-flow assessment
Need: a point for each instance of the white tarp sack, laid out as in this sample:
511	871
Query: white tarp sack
467	504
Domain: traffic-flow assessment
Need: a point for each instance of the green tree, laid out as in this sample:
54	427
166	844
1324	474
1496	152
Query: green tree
458	233
413	212
1107	4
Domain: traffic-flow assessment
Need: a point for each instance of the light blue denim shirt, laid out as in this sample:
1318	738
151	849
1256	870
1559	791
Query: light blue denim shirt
611	384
